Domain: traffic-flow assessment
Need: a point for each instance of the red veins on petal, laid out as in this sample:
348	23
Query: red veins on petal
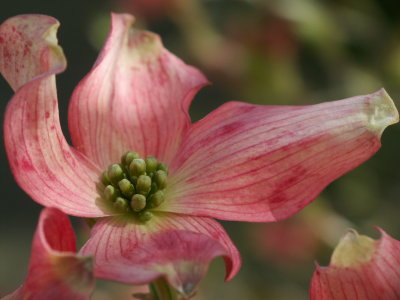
360	269
265	163
55	270
136	96
176	247
44	165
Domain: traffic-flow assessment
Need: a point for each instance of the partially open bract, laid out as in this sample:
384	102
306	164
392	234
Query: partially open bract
56	271
361	269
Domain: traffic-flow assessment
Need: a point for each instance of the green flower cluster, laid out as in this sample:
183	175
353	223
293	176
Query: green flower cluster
135	185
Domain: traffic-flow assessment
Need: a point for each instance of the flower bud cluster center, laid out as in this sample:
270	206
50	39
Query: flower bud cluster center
135	185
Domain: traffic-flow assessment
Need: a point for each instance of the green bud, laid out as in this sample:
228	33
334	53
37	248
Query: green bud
111	193
137	167
161	179
154	187
104	178
143	185
163	167
138	202
127	158
126	188
135	185
145	216
115	173
121	204
151	164
156	199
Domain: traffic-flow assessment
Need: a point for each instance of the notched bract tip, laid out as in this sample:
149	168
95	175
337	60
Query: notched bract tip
353	250
383	113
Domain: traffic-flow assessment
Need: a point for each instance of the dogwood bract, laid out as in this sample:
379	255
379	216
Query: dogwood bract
55	270
360	268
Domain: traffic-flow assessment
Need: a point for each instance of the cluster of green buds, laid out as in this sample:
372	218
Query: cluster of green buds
135	185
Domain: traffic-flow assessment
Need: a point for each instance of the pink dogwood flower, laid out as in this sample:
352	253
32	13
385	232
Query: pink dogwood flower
153	180
360	269
55	270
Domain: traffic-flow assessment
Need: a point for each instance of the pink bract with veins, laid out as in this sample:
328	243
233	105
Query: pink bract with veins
361	269
55	270
242	162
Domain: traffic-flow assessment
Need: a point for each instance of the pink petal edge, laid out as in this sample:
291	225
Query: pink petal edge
135	98
174	246
28	49
55	270
378	278
265	163
42	162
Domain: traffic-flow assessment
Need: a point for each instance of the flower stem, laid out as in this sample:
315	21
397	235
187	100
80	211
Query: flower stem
161	290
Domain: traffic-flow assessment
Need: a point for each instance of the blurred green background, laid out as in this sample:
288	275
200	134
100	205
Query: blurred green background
282	52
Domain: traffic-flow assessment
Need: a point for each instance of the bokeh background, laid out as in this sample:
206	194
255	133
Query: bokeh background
280	52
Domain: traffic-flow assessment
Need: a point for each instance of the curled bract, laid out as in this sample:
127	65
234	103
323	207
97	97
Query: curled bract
360	269
55	270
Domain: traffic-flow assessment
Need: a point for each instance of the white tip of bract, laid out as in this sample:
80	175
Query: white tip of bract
353	250
383	111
